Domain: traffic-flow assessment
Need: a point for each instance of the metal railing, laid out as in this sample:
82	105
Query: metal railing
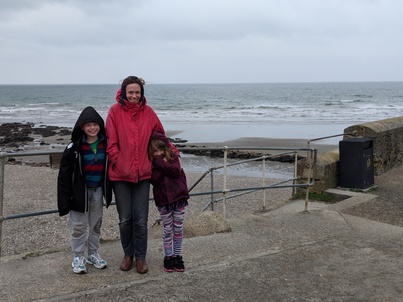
224	192
311	153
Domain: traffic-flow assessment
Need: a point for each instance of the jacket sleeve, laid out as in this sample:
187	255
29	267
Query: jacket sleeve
156	177
158	125
112	135
171	169
107	185
65	182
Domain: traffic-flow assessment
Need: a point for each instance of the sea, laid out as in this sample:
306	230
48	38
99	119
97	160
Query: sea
219	112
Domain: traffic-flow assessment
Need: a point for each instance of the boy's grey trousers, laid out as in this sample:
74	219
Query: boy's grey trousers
85	226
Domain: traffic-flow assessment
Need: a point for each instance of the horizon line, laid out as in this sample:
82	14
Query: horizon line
201	83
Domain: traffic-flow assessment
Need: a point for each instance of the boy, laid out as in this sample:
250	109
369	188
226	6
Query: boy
82	184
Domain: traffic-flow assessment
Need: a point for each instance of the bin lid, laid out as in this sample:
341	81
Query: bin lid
357	140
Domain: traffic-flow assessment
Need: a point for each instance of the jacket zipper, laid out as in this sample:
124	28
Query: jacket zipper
85	185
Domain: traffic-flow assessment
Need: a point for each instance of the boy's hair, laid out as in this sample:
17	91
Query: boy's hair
83	124
156	144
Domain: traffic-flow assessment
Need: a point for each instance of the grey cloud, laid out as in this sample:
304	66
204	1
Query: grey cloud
186	40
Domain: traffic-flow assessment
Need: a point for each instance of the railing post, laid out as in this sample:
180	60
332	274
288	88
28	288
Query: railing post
294	189
225	181
2	157
264	183
309	179
212	190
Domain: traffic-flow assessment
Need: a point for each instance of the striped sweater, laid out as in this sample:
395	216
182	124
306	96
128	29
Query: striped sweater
94	163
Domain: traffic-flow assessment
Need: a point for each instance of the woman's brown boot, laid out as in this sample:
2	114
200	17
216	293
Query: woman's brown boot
127	263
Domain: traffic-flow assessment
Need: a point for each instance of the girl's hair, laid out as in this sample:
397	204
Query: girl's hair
156	144
132	80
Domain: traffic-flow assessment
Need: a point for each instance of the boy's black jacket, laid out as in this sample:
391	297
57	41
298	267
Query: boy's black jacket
71	188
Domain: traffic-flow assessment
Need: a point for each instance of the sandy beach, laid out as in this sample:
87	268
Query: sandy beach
26	138
59	140
21	136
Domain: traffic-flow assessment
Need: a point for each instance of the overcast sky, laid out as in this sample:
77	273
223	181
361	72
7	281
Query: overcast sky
194	41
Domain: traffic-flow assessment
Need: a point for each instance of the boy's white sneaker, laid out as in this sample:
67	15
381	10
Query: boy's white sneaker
78	265
96	260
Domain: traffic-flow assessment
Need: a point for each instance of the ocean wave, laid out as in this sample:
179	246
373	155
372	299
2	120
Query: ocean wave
266	104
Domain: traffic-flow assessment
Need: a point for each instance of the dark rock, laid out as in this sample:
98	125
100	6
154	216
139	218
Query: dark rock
13	135
179	140
64	132
234	154
9	129
45	132
285	158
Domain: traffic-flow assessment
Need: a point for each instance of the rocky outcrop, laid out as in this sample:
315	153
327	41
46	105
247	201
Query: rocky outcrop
206	223
235	154
15	135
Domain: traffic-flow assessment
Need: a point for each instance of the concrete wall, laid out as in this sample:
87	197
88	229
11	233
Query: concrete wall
387	136
326	172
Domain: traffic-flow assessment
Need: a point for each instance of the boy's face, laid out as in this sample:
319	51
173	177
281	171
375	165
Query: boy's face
91	129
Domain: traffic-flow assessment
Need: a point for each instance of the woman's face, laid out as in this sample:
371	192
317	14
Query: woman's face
133	92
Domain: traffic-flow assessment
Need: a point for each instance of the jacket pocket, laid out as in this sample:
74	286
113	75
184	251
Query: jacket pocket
122	170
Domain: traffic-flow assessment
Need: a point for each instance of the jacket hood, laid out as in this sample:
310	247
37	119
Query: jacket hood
161	136
88	115
156	134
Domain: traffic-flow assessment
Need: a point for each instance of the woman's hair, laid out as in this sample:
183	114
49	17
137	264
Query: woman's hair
132	80
156	144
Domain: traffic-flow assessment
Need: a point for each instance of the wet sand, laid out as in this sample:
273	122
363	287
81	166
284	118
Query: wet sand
18	137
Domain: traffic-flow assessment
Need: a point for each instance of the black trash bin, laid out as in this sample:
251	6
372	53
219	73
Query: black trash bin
356	163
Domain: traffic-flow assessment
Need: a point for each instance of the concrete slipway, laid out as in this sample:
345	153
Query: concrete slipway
282	255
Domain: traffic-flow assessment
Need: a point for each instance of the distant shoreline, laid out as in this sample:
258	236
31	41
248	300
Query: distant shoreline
19	137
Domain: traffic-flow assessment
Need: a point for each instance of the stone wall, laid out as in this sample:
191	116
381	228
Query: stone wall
326	172
387	136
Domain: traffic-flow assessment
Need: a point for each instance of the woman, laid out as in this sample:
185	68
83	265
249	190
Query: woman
129	125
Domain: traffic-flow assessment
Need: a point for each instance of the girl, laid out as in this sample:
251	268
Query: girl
170	196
